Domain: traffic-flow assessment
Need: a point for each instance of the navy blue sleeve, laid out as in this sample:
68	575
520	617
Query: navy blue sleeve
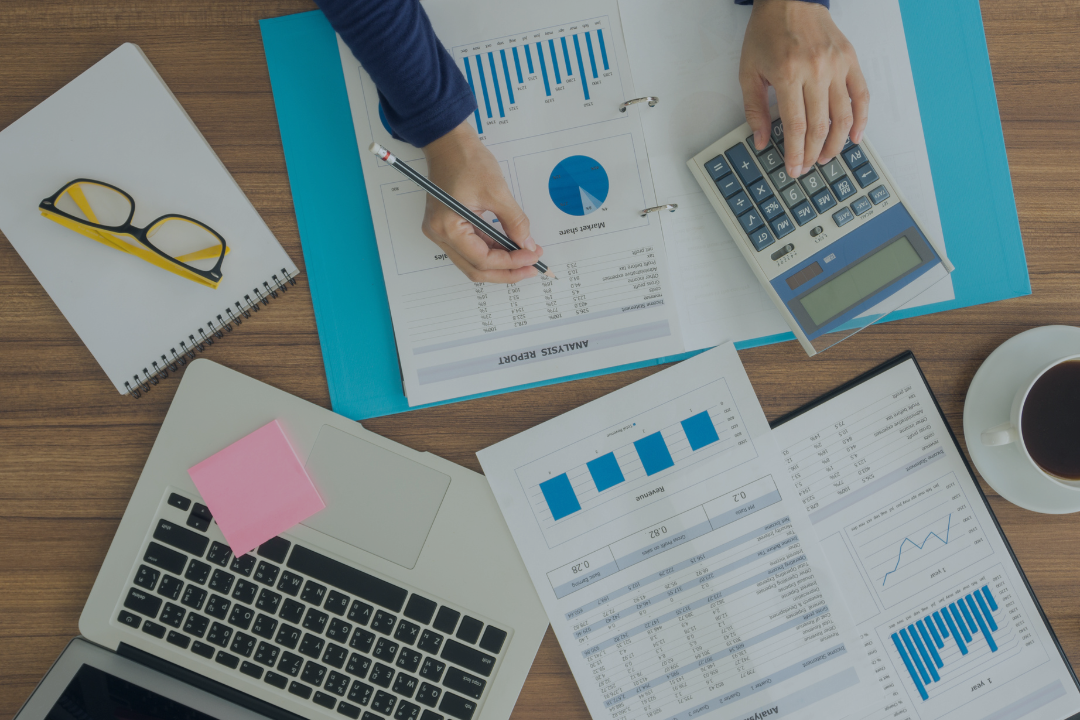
816	2
422	92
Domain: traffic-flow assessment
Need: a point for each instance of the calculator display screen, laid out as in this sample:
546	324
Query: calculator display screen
860	281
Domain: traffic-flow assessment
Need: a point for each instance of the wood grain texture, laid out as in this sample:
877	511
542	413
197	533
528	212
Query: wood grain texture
71	449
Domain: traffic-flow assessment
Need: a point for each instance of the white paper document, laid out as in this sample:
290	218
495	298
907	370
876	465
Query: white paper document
549	78
681	580
944	613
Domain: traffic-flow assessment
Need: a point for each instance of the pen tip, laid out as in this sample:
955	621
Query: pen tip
551	275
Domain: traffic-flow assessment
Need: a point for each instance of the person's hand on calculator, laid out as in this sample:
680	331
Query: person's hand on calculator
795	47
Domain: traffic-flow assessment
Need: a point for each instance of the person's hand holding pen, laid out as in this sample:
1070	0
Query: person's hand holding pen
796	47
460	164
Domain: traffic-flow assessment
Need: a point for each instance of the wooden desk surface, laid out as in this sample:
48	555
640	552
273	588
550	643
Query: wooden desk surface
71	448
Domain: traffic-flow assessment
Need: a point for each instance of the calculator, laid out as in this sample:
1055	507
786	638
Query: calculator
836	249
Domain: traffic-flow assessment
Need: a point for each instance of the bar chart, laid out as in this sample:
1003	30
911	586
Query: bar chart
542	80
636	461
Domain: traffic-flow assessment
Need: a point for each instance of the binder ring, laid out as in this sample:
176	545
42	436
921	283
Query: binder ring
652	100
670	207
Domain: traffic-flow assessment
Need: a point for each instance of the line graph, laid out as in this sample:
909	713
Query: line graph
918	546
918	539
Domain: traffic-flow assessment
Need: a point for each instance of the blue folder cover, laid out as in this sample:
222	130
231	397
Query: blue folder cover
960	122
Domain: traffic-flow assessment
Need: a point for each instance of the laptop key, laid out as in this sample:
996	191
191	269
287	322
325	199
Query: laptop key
278	681
428	715
381	675
196	625
383	702
407	711
327	701
457	706
360	612
358	665
407	632
179	501
493	639
147	577
221	582
142	603
311	645
165	558
243	565
464	683
193	597
264	626
360	693
335	655
385	650
266	573
219	553
432	669
446	620
290	583
430	642
177	639
313	593
315	620
181	538
420	609
337	683
152	628
336	603
251	670
218	607
129	619
290	664
292	611
226	659
405	685
339	630
219	635
347	579
170	587
348	710
383	622
203	649
428	694
245	591
300	689
242	644
468	658
173	615
362	640
313	673
267	654
288	636
276	548
409	659
268	601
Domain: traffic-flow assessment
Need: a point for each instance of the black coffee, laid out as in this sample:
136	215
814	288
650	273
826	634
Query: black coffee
1050	421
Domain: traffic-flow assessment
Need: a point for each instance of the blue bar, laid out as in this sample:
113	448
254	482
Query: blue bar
581	68
517	63
941	625
982	625
543	68
483	84
495	84
603	49
985	611
555	62
929	644
989	598
528	57
934	633
605	471
509	82
566	56
700	430
654	454
955	633
960	623
914	656
910	668
923	654
560	496
592	58
971	623
476	112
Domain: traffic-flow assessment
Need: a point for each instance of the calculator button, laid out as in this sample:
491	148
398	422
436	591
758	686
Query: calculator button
860	205
744	164
855	157
803	213
780	178
753	146
832	170
780	147
771	159
782	225
739	203
879	194
866	175
793	195
843	188
728	186
842	217
824	200
771	208
760	191
751	222
718	167
812	183
778	130
761	239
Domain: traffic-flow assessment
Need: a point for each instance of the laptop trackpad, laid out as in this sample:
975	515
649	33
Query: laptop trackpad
375	499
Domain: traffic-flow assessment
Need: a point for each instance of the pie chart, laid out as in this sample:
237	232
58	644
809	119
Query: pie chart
578	185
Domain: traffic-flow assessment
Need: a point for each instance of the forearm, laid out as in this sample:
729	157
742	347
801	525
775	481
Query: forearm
816	2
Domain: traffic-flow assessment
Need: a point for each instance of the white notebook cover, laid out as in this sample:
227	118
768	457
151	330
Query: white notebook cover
119	123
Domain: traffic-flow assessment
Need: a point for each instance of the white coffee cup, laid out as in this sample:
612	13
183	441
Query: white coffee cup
1009	432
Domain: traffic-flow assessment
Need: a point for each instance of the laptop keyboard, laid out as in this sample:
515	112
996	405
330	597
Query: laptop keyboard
303	623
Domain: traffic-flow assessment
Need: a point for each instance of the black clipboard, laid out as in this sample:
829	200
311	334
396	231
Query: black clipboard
885	367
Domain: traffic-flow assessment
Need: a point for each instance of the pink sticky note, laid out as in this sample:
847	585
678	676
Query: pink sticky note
256	488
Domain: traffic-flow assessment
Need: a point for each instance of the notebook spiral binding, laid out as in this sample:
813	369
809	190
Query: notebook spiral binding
215	329
652	100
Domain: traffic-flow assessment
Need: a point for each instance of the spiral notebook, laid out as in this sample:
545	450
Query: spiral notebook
119	123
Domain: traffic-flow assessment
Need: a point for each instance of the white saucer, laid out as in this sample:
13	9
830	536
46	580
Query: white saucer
989	402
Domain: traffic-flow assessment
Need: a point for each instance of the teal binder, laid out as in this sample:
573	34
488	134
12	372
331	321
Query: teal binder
960	122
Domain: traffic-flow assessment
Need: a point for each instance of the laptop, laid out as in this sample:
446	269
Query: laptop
404	598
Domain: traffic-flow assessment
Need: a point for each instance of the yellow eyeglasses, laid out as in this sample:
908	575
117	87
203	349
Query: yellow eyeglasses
182	245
